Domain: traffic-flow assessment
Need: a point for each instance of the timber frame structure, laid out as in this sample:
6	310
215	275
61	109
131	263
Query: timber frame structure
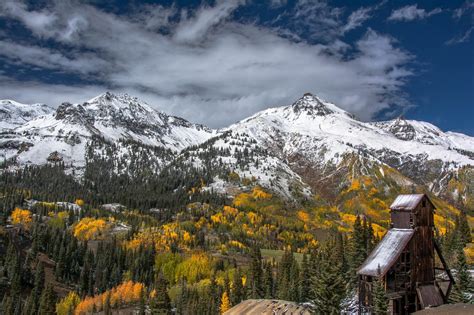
408	259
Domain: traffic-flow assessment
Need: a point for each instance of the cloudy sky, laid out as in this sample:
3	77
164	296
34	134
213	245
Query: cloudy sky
215	62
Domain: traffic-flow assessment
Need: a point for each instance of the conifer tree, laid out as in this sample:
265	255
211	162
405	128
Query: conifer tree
463	288
47	304
160	303
463	228
305	280
28	309
268	280
294	288
380	299
256	275
237	292
358	247
328	283
7	305
142	308
214	295
38	286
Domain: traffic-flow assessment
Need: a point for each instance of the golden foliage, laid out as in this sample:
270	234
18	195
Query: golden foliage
124	294
225	304
237	244
442	224
243	200
254	218
258	193
355	185
303	216
68	304
194	268
230	211
162	238
79	202
90	228
22	217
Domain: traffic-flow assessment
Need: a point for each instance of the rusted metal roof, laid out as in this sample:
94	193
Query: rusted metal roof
406	202
386	253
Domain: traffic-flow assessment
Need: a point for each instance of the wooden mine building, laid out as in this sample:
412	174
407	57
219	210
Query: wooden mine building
407	259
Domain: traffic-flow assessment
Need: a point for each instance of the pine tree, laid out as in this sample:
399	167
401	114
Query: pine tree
380	299
305	280
47	304
225	303
370	236
160	303
256	275
7	305
268	280
294	287
463	228
38	286
463	288
358	248
28	309
214	296
237	292
328	283
142	308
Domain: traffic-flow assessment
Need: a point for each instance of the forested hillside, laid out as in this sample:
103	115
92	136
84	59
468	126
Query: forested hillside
67	249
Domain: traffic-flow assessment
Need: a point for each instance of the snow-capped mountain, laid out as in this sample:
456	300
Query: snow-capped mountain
14	114
309	146
324	133
318	141
64	134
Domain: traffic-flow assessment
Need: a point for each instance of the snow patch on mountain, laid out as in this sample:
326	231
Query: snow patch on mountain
14	114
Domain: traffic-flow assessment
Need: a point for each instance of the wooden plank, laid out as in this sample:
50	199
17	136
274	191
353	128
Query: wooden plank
429	296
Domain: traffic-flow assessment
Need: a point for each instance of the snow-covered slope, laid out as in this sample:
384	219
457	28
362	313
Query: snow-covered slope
14	114
64	134
319	141
324	133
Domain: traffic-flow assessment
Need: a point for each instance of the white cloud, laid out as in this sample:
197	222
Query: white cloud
82	63
213	75
39	22
278	3
411	12
465	8
464	37
194	29
357	18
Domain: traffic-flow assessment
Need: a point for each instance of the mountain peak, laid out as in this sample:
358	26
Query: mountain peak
402	129
312	105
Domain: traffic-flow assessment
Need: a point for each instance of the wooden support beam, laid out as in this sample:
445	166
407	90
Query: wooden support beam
446	269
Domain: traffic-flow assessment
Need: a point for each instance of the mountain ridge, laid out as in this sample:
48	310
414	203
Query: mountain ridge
299	147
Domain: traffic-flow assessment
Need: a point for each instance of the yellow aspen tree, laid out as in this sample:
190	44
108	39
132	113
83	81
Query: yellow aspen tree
225	303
